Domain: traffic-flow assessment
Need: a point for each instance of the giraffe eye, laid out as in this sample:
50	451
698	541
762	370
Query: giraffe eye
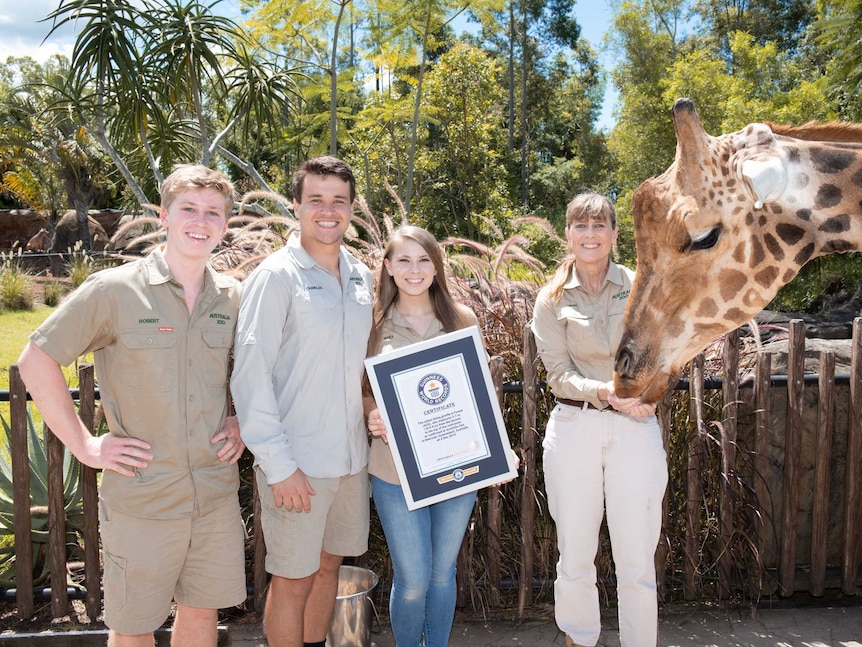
706	241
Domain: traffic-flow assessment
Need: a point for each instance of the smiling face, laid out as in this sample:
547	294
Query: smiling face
324	212
195	221
591	241
410	267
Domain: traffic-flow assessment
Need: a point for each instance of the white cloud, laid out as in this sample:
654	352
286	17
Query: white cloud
22	33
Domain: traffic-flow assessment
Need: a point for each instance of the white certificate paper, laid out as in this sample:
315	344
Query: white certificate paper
441	415
445	428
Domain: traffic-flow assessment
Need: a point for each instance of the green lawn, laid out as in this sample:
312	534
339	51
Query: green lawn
16	328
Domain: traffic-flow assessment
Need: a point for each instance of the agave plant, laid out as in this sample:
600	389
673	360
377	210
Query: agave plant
72	497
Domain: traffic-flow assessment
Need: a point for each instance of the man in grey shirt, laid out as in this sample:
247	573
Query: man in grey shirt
300	347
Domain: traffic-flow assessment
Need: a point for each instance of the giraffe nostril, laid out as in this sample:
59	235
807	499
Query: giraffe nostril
624	361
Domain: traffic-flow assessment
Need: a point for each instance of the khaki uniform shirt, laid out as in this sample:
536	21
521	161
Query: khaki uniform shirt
299	361
577	337
162	375
397	333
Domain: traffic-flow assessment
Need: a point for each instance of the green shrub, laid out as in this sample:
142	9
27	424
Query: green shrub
80	267
52	293
16	292
72	496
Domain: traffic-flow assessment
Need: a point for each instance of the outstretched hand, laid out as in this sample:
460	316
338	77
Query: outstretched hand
634	407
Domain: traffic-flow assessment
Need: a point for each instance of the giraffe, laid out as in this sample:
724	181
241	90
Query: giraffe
732	220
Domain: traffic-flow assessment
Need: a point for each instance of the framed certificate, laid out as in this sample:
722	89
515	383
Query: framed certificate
445	428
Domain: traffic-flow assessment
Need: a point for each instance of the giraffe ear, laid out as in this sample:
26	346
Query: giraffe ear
766	178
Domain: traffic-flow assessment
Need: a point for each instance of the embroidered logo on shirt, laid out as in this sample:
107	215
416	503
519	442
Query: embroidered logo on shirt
221	319
166	328
621	295
146	321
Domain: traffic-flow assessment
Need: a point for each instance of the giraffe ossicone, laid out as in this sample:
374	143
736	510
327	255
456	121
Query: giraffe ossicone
731	221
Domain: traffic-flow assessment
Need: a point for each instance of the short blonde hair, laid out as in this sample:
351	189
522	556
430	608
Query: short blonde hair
197	176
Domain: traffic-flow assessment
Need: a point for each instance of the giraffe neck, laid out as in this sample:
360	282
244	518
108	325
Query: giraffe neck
822	204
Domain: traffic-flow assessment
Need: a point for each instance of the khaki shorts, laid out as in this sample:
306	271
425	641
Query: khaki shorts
337	523
198	561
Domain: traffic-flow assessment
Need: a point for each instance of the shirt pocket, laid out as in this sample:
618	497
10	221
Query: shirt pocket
215	357
578	325
149	361
360	293
316	313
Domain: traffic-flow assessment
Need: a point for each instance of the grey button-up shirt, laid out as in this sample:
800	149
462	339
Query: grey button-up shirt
298	363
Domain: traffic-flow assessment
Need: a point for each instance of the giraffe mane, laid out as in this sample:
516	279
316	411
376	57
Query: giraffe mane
836	131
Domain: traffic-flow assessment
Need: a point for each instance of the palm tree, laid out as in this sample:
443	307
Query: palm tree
153	78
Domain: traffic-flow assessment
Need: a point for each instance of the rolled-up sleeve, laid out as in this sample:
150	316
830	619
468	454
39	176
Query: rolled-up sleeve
263	311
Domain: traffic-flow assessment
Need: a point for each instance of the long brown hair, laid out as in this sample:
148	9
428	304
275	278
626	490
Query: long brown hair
583	208
452	315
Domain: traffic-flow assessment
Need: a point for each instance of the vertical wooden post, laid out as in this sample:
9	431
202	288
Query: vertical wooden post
664	414
693	489
21	493
92	577
259	566
853	488
495	506
528	487
792	445
730	390
762	405
56	525
822	469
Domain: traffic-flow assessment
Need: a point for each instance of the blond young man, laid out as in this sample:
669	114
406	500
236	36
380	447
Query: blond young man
161	329
297	384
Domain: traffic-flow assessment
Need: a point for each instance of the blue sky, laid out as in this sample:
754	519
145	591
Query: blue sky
21	33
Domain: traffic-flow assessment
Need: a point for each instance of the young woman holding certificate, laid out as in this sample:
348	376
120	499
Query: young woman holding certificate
413	304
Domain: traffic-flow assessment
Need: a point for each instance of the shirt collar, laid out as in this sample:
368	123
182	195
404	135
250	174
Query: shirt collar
614	276
159	272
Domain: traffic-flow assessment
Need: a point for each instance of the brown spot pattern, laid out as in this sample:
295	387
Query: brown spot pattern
838	247
773	246
831	161
707	308
736	315
790	234
731	282
804	214
828	196
804	254
766	276
836	224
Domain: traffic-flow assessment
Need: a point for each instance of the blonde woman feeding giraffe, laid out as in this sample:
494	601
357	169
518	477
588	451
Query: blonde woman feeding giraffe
601	453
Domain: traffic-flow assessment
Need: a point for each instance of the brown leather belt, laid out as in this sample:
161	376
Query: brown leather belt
578	403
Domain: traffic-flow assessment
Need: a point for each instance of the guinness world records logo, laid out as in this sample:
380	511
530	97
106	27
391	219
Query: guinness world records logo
433	389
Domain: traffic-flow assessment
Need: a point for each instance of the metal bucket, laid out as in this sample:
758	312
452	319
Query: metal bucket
351	621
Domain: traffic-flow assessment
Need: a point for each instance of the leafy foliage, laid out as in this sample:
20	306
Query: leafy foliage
72	497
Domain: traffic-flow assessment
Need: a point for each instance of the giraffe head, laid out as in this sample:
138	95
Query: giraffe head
731	221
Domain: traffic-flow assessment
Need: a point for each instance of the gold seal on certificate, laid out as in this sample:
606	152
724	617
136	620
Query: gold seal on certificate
445	427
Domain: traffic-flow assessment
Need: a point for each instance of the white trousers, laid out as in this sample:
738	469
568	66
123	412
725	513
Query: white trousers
597	461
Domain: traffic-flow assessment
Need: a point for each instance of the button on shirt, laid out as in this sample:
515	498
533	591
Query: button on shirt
162	375
299	361
578	335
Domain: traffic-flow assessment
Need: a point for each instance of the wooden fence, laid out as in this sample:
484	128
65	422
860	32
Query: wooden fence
758	487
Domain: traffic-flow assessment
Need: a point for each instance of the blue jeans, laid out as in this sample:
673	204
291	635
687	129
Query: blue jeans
424	547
